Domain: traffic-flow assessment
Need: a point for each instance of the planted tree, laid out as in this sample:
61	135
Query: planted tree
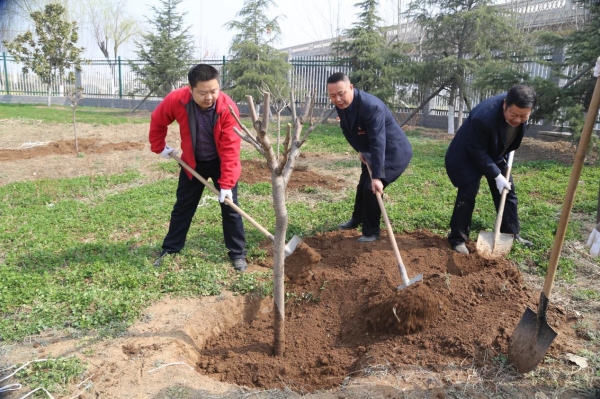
463	37
52	50
281	164
165	53
75	96
255	63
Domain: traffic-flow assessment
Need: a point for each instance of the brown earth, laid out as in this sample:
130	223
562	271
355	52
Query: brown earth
349	331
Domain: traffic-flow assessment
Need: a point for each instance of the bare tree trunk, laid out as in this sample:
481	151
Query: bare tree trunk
281	222
75	132
48	102
451	99
424	103
461	106
141	102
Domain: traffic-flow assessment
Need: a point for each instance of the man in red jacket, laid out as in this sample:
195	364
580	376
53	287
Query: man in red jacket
211	147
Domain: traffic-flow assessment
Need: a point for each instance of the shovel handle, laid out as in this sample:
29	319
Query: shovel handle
390	233
227	200
584	142
511	156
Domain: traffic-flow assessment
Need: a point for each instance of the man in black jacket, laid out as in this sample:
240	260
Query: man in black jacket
371	129
494	128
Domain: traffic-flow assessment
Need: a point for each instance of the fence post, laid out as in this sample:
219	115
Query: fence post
224	72
6	74
120	80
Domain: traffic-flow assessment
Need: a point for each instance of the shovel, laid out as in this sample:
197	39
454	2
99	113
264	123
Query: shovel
533	336
390	232
290	247
496	244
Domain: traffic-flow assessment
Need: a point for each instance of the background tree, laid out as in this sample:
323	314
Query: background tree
255	63
365	48
52	51
166	52
577	47
111	26
463	37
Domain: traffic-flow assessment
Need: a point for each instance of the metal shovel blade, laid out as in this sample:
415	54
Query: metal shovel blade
488	250
413	280
529	342
290	247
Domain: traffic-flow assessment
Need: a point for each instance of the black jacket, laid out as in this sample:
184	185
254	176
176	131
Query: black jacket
478	148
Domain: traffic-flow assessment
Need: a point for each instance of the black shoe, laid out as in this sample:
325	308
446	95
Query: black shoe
349	225
240	264
372	238
461	248
523	241
158	261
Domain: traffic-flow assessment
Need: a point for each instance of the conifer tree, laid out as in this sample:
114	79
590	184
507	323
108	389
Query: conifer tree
165	52
52	50
255	63
366	50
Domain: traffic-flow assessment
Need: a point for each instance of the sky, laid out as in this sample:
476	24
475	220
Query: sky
301	21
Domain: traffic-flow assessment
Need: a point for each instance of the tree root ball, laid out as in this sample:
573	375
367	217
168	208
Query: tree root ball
300	264
405	311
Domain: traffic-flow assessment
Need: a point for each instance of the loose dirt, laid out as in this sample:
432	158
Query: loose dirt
349	331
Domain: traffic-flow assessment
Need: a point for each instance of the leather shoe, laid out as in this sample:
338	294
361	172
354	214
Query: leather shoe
240	264
349	225
461	248
523	241
372	238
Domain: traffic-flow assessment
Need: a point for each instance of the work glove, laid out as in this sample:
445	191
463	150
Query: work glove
165	153
225	194
593	241
502	183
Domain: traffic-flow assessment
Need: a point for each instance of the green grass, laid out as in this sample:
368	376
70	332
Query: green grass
77	253
64	114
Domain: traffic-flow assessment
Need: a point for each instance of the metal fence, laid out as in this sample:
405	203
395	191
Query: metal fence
116	80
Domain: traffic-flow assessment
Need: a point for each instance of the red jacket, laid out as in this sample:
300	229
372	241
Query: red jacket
177	105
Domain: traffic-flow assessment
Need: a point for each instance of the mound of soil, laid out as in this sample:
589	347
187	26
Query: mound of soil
302	177
340	322
66	147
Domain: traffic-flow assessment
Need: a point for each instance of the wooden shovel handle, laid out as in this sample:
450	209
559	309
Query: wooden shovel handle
390	233
584	141
511	156
227	200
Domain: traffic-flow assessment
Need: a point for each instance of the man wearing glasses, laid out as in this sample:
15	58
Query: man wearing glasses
211	147
494	128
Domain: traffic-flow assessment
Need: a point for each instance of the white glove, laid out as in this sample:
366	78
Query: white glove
593	242
502	183
165	153
225	194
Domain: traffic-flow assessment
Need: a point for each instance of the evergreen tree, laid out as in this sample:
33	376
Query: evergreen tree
166	52
366	51
580	47
464	38
52	50
255	63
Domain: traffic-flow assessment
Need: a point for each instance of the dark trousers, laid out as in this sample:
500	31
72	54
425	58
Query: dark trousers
189	192
366	207
460	224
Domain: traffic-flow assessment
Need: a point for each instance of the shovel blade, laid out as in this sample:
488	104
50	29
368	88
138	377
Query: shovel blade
411	282
530	341
486	248
290	247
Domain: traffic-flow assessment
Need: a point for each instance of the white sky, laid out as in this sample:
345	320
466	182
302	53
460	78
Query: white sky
302	21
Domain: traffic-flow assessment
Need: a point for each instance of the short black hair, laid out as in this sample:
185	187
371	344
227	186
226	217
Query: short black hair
338	77
522	96
202	73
